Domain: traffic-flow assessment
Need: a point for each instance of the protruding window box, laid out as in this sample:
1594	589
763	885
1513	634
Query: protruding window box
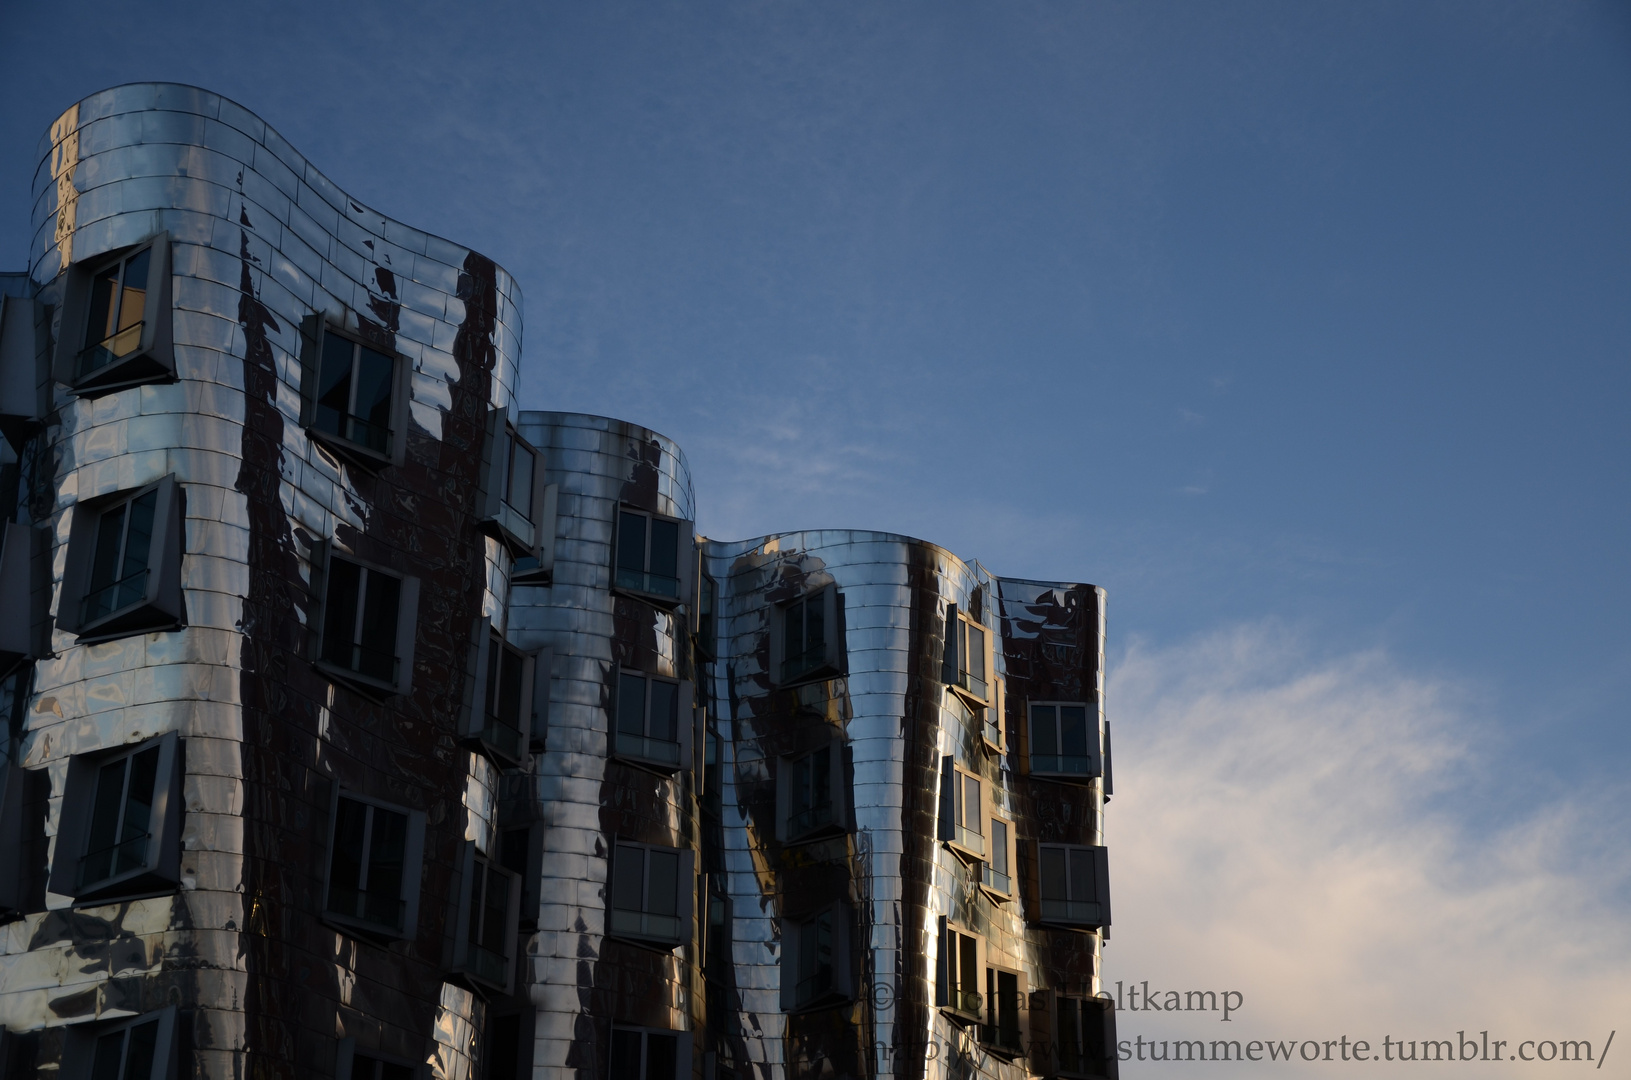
815	964
654	557
484	924
375	854
145	1047
651	894
516	506
807	638
813	797
123	573
1084	1040
506	704
115	325
1064	741
653	721
365	635
18	597
22	406
353	394
1073	885
962	810
120	833
969	664
959	973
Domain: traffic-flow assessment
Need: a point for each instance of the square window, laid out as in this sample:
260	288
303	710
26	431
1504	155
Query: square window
807	637
1064	741
1074	885
654	557
651	894
968	658
815	965
813	793
353	394
115	327
962	810
1085	1039
959	967
649	1054
503	695
653	720
517	506
123	572
375	854
142	1047
120	833
485	923
1004	1025
366	631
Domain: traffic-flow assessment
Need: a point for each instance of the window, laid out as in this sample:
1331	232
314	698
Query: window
1109	774
516	505
502	695
139	1048
120	834
25	796
1085	1039
17	595
349	1064
654	556
651	894
1003	1026
115	327
958	969
807	637
968	664
375	853
521	851
1075	885
123	573
366	632
993	720
813	793
815	963
716	950
997	874
707	623
485	924
649	1054
962	810
653	720
20	397
1064	743
352	394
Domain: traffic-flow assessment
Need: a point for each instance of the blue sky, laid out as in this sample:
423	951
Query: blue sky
1303	325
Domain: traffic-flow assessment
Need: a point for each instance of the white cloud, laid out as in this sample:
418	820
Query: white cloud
1353	849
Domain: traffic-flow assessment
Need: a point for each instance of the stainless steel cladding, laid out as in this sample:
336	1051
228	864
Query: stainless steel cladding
362	726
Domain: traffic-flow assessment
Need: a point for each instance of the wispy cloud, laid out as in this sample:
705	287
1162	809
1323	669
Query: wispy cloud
1344	843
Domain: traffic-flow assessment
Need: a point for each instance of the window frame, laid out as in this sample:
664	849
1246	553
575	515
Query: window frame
998	890
20	546
153	359
412	869
1104	1022
684	558
474	725
990	1033
346	1055
474	867
523	534
23	406
407	622
706	623
684	722
1094	761
840	795
840	988
1076	913
951	996
682	1049
162	605
834	661
79	1049
160	871
954	672
685	895
314	331
955	833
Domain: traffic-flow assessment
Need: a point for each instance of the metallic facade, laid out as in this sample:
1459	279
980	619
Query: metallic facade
267	261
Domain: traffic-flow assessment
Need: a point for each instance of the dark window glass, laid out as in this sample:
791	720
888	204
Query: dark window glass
645	893
997	870
1059	739
121	817
504	1047
363	641
648	554
661	1051
812	792
518	479
1002	1006
631	704
366	863
665	709
354	386
631	550
626	1047
1069	886
505	675
815	960
629	881
376	633
805	638
648	718
113	329
665	551
1070	1035
119	562
513	849
334	385
139	1053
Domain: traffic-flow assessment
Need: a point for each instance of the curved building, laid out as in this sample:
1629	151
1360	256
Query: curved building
362	726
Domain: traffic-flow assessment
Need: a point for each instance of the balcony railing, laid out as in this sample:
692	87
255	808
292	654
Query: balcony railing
115	346
380	909
795	667
1075	912
644	924
997	880
810	819
485	964
114	597
645	748
649	583
503	737
1062	764
106	862
968	839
